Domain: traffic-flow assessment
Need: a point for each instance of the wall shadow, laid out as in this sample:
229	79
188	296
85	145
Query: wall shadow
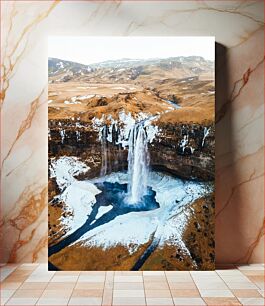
224	158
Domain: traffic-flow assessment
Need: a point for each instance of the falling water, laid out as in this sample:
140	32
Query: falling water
138	162
205	134
104	152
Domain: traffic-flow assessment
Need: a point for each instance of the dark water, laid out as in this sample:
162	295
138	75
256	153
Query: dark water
139	263
114	194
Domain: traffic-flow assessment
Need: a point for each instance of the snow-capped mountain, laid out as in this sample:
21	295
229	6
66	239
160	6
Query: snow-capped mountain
127	70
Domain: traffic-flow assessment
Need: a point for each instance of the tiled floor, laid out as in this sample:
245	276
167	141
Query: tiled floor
32	284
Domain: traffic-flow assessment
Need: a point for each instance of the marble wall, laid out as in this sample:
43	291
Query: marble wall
238	27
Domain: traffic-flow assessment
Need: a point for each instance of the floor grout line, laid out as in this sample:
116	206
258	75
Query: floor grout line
104	289
169	289
109	285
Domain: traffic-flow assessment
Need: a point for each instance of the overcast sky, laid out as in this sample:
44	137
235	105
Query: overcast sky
87	49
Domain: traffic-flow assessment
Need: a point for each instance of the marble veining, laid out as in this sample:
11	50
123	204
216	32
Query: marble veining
237	25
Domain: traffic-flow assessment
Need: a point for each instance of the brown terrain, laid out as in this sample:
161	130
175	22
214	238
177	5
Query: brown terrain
198	237
181	91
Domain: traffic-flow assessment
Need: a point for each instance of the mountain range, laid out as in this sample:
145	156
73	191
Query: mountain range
130	70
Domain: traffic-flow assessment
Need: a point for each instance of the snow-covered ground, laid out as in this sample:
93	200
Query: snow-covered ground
78	196
165	224
136	228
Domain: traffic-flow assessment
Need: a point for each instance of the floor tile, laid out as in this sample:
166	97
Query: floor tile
155	278
87	293
128	293
64	278
53	301
3	300
56	293
256	278
203	273
123	301
177	273
29	266
210	278
251	267
28	293
39	278
246	293
30	284
34	286
261	292
156	285
251	301
97	273
260	285
10	286
217	301
153	273
157	293
128	273
216	293
5	265
235	278
89	285
16	278
183	293
7	293
85	301
69	273
232	272
107	297
129	286
6	271
109	281
42	272
22	301
159	301
179	279
91	278
110	274
182	286
188	301
128	279
108	285
4	275
22	272
253	272
211	286
241	285
43	266
60	286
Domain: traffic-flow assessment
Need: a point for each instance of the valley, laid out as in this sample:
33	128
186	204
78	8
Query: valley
93	111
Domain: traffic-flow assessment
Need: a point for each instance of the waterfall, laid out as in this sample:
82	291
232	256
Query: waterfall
138	163
104	152
205	134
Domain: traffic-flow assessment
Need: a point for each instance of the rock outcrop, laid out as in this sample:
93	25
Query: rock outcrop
184	150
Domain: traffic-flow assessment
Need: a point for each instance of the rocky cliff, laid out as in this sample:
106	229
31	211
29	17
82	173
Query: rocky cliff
185	150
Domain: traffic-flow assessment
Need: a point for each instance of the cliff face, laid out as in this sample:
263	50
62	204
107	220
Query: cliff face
185	150
65	139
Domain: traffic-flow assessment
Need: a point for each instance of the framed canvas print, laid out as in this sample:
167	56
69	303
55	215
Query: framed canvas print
131	153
